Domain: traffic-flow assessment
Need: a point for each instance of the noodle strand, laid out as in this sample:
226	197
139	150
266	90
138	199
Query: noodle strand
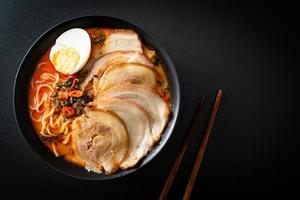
51	124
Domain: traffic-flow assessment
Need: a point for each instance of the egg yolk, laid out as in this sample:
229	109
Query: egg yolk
66	60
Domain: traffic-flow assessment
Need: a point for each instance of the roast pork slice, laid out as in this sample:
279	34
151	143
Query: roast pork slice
148	99
119	40
101	140
114	58
137	123
131	73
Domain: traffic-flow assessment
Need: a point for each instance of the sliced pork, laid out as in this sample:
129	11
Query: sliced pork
101	140
114	58
131	73
119	40
148	99
138	127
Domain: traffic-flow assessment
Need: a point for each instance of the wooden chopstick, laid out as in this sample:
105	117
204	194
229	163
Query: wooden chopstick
181	153
207	133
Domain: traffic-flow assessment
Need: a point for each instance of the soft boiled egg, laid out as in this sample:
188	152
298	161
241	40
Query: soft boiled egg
71	51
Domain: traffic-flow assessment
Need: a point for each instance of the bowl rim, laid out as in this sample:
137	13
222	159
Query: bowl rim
175	90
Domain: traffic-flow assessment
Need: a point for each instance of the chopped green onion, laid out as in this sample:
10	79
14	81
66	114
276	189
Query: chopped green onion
155	60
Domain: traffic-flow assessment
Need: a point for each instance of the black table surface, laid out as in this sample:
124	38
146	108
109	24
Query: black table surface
251	51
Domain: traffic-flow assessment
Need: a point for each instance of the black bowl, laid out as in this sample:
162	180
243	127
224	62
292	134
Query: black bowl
27	68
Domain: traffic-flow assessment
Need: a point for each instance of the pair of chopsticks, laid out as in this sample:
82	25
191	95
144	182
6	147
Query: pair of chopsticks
200	154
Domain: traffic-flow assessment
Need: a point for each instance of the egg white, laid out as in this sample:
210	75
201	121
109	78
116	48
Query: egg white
77	39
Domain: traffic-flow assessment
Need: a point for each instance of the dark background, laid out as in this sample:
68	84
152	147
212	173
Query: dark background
250	50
